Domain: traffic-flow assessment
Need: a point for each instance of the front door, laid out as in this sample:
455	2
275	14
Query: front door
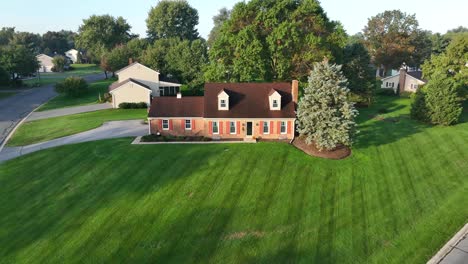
249	129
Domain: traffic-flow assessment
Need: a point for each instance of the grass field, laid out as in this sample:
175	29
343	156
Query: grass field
47	129
91	97
54	77
397	199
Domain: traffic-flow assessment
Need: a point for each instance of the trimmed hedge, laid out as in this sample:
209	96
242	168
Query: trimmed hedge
156	138
139	105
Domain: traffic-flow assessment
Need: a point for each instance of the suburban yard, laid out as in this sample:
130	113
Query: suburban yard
51	128
53	77
398	198
91	97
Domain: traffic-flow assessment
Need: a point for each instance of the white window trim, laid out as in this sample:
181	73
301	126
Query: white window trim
190	123
235	128
285	127
268	126
212	127
167	124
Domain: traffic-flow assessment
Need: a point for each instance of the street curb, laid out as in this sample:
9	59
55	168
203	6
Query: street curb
447	248
21	122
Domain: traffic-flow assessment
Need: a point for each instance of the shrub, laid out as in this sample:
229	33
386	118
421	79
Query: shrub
72	86
59	62
133	105
419	109
107	97
443	100
386	92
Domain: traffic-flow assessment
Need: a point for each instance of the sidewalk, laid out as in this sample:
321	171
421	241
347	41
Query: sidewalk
68	111
455	251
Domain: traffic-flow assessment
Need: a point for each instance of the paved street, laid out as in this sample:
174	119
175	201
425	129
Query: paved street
15	108
114	129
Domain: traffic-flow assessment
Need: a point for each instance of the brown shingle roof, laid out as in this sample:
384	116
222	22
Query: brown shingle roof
416	74
187	106
248	100
117	84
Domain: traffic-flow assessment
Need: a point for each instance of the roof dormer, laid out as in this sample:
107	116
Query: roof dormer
275	100
223	101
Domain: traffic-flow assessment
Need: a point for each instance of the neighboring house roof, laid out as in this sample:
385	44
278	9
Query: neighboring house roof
71	50
187	106
43	56
414	74
117	85
134	64
248	100
169	84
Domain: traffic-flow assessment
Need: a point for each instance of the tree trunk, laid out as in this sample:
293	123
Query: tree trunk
105	73
113	74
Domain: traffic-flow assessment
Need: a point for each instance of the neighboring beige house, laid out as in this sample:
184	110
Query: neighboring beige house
138	83
406	80
45	63
72	55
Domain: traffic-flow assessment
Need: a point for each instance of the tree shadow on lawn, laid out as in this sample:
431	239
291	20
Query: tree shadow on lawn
46	207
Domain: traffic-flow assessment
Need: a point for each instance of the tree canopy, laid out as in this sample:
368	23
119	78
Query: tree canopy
218	21
18	60
99	34
394	37
273	40
172	19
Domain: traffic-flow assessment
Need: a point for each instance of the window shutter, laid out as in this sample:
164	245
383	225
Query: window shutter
278	127
228	127
182	124
271	127
210	127
261	127
289	127
220	127
193	124
170	124
160	124
238	127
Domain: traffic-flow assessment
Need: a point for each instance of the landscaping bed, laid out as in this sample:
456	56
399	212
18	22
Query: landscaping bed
340	152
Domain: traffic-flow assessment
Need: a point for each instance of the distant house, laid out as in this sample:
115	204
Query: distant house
229	111
45	63
73	55
406	80
138	83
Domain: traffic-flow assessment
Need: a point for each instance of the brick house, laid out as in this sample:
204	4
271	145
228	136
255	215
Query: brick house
229	111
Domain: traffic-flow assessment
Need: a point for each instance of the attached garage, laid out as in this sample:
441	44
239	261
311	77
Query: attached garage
130	91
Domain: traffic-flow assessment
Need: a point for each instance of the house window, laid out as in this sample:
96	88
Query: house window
416	86
215	127
393	84
266	127
188	124
275	103
232	127
386	84
283	127
223	103
165	124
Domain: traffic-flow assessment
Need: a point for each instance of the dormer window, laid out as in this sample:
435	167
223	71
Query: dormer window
275	100
223	101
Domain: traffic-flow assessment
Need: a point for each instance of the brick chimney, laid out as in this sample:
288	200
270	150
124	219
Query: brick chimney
295	91
402	80
130	61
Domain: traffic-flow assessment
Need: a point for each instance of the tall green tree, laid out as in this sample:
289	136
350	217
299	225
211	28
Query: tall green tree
6	35
116	59
172	19
275	40
393	37
357	69
28	40
325	116
18	60
218	21
57	42
99	34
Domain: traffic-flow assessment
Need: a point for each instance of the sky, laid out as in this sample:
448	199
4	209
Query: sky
54	15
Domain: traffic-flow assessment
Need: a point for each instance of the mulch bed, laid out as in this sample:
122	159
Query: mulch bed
340	152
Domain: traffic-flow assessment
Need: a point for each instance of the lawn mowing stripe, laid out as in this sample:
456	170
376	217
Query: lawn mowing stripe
359	221
173	228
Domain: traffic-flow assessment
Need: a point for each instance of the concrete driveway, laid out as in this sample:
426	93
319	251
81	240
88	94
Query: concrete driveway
114	129
15	108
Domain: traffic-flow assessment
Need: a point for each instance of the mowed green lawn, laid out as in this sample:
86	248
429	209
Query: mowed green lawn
91	97
51	128
397	199
54	77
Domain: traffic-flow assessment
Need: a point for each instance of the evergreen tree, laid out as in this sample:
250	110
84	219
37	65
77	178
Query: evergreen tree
419	109
325	116
443	101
